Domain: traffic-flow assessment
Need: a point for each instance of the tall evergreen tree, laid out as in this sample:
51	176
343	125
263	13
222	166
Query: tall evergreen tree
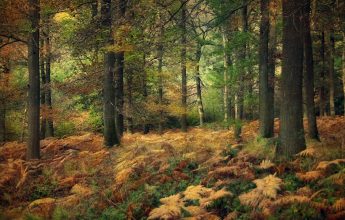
266	96
33	143
292	138
110	136
308	77
183	42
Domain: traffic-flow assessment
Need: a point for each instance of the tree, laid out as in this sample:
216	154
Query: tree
48	87
322	92
43	92
331	53
292	138
120	62
183	42
308	77
198	84
33	143
226	63
110	135
343	67
266	90
160	53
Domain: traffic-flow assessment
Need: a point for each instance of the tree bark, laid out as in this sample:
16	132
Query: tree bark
266	89
343	68
198	85
308	79
146	127
43	92
110	136
322	95
129	115
33	143
2	120
120	62
226	63
239	110
50	123
292	138
160	53
3	100
183	67
331	49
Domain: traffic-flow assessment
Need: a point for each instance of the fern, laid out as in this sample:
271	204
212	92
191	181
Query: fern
266	164
339	205
310	176
267	187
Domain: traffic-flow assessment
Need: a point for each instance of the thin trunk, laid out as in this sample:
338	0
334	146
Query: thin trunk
198	85
50	123
146	127
2	117
331	79
43	92
110	136
130	104
226	63
4	82
266	85
272	47
160	80
343	67
239	112
33	144
22	135
120	62
308	79
2	120
292	138
183	67
322	95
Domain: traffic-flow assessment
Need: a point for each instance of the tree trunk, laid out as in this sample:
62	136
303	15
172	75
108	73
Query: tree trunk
331	48
343	67
322	95
239	110
291	112
43	92
120	62
2	120
2	117
198	85
3	99
183	67
50	128
227	63
130	104
308	79
266	96
160	52
146	127
110	136
33	143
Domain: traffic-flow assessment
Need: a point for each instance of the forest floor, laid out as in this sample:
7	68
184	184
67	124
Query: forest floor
202	174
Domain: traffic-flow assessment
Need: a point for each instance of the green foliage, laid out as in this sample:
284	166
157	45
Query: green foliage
113	213
60	214
230	152
298	211
262	148
29	216
65	128
291	182
46	187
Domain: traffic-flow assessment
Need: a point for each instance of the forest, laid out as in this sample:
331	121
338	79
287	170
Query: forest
172	109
